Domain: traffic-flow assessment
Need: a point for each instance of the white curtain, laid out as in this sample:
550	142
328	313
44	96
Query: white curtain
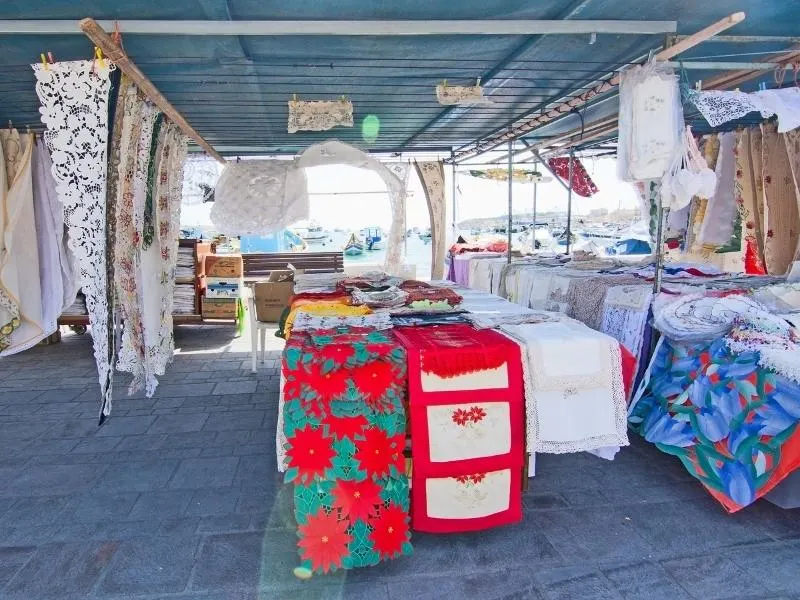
431	175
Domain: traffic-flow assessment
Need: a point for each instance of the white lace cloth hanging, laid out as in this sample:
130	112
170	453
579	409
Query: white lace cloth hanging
720	216
431	174
776	341
319	115
200	176
74	99
460	95
393	263
259	197
718	107
650	122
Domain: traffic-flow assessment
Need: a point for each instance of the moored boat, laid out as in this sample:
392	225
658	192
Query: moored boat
354	246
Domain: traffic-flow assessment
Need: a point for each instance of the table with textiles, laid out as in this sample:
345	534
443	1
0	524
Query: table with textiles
455	379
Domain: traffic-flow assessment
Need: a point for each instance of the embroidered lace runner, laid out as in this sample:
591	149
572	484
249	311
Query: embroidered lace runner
718	107
725	417
587	295
319	115
397	197
259	197
345	426
751	205
306	322
721	209
625	312
460	95
792	139
582	184
431	174
571	405
74	98
780	198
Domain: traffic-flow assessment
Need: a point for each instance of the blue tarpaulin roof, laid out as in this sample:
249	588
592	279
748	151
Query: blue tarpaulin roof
234	90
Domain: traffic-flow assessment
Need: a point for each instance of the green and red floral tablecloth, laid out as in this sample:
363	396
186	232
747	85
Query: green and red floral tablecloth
345	427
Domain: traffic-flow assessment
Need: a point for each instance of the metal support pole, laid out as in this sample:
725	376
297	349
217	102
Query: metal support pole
455	208
510	196
569	202
659	241
535	192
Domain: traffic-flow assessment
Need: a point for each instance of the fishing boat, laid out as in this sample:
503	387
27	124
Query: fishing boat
426	236
373	238
354	246
314	234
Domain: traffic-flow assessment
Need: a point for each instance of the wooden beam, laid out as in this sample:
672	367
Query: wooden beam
567	106
116	54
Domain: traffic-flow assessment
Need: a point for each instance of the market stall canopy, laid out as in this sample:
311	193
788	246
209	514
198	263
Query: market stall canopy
232	83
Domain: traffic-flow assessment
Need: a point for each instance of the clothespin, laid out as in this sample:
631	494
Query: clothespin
762	86
294	97
44	62
50	58
116	35
10	124
698	85
98	56
478	82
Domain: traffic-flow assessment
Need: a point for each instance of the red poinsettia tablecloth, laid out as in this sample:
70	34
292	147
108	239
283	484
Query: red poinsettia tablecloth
345	426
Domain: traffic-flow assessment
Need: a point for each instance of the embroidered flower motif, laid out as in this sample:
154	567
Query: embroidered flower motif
477	478
324	540
377	452
390	531
750	225
470	480
476	414
357	499
768	179
310	452
461	416
374	381
770	233
341	427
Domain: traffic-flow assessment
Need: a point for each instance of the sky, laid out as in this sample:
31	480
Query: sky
350	198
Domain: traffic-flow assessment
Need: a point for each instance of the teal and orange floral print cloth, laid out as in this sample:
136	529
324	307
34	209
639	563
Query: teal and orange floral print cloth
732	423
345	428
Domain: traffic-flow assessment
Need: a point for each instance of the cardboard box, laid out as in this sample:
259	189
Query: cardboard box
272	296
219	308
224	287
223	265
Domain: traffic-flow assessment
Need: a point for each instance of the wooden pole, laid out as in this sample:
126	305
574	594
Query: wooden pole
567	106
116	54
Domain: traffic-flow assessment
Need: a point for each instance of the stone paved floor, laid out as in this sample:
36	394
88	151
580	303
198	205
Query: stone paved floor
178	497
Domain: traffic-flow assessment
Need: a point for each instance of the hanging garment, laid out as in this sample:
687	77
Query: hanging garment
582	184
780	198
140	118
792	140
58	271
571	406
259	197
650	122
431	174
74	97
345	429
747	198
19	259
720	213
9	308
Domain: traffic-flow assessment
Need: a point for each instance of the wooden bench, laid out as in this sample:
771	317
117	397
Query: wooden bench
262	264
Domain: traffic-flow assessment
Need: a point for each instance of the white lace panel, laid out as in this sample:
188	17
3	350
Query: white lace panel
432	176
259	197
200	176
319	115
394	246
74	99
718	107
460	95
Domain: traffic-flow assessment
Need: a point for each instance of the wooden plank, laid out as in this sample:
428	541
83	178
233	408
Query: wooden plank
115	53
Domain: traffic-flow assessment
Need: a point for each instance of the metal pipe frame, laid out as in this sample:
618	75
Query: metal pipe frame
510	225
349	28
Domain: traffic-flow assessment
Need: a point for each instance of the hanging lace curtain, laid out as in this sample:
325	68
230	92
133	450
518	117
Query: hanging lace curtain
259	197
394	255
431	174
74	98
718	107
319	115
200	176
334	152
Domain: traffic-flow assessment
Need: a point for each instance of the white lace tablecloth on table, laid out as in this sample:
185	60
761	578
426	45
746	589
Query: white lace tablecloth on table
594	421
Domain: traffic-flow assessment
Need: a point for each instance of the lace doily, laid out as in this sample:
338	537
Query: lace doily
74	99
306	321
776	341
200	176
319	115
699	318
259	197
393	296
460	95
